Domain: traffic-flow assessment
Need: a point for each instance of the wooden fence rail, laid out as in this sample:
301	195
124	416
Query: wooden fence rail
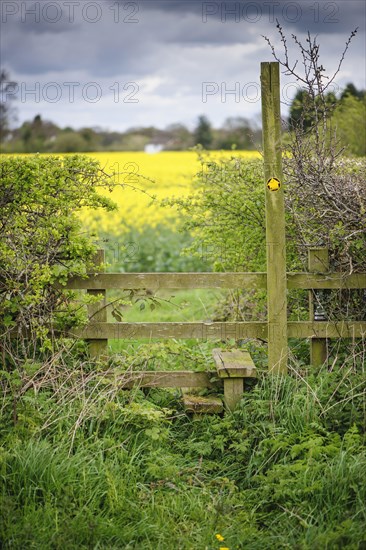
180	281
220	331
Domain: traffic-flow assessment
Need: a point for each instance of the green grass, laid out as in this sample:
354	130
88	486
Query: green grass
90	466
178	305
173	306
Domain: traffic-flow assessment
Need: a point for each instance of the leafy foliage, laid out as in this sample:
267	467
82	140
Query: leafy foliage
42	243
225	213
88	465
348	120
346	116
148	249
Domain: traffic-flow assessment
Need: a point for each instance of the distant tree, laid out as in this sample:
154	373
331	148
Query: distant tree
132	141
37	136
91	138
70	142
236	132
33	136
179	137
7	95
346	115
305	109
349	123
351	90
203	133
296	114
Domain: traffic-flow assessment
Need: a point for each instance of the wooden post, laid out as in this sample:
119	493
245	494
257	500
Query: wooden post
97	312
233	392
275	219
318	262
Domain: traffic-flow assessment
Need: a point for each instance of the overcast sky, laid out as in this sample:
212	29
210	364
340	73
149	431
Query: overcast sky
121	64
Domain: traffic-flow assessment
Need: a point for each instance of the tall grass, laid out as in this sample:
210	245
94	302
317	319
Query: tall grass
90	466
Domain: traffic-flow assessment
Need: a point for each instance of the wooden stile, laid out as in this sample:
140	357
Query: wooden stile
234	366
197	404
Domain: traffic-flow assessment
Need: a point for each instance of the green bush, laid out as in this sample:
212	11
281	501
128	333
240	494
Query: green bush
41	244
225	213
349	121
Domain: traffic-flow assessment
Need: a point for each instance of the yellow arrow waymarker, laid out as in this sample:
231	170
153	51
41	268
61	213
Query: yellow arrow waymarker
273	184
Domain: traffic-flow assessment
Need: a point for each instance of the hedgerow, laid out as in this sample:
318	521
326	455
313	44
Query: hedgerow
42	243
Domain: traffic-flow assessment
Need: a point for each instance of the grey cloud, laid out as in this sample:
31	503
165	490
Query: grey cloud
326	17
37	17
170	52
106	49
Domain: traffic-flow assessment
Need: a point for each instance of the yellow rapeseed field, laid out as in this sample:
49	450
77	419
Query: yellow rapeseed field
139	177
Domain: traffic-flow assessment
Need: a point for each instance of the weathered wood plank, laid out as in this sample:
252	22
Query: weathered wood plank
202	405
234	364
216	331
167	379
156	281
275	218
176	281
327	329
200	330
327	280
220	331
318	259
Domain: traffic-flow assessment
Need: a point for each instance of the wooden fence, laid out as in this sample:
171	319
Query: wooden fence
99	330
277	329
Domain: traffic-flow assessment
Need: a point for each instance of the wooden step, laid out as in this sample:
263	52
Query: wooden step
197	404
233	366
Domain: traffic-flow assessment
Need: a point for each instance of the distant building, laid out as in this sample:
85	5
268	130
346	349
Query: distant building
152	148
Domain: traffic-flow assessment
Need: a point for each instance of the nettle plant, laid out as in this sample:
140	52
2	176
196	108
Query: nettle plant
42	243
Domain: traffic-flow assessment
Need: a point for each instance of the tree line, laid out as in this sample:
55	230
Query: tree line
44	136
39	135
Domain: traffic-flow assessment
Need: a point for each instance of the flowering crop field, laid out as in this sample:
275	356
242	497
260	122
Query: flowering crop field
141	176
